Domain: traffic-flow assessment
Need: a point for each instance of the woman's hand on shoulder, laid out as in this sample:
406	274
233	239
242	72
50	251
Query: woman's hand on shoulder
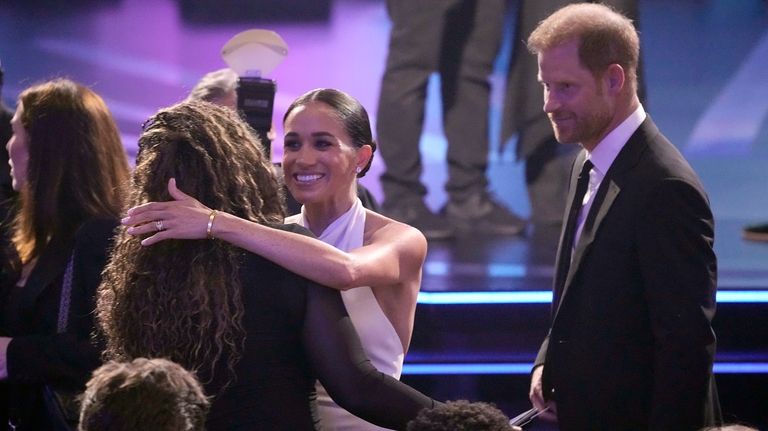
182	218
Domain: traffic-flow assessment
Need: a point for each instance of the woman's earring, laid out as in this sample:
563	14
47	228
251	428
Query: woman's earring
358	169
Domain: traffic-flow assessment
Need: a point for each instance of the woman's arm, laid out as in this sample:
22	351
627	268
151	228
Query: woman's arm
394	255
339	362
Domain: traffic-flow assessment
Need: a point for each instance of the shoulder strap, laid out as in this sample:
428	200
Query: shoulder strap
66	296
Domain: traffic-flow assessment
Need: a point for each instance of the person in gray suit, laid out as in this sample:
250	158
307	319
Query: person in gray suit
458	39
630	345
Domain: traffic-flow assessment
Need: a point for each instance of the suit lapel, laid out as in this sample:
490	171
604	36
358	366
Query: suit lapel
49	267
606	195
560	263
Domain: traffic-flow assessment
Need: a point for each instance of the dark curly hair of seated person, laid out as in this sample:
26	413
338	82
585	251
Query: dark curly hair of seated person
461	415
144	394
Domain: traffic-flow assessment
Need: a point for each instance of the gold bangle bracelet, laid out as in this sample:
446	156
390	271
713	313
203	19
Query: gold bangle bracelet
209	230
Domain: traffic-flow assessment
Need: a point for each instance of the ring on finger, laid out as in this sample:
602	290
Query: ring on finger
159	225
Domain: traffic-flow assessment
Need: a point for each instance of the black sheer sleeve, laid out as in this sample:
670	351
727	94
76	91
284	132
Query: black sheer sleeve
339	362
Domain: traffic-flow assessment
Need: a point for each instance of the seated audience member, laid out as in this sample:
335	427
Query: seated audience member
255	333
60	236
461	415
144	394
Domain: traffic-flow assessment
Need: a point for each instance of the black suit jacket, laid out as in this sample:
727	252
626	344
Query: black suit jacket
38	355
631	346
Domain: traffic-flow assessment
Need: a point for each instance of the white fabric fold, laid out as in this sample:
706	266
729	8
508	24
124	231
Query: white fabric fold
377	335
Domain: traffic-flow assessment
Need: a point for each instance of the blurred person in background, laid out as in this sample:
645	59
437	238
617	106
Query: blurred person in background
69	168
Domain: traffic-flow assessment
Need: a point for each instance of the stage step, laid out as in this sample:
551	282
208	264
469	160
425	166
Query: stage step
483	351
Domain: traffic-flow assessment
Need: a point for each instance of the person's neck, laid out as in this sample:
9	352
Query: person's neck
320	215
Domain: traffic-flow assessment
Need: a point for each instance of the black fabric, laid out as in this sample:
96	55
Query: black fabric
37	355
6	191
296	331
569	231
63	408
631	344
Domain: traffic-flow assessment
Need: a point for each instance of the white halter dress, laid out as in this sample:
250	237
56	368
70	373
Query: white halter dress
377	335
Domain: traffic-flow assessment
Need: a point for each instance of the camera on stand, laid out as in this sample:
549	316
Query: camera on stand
253	54
255	103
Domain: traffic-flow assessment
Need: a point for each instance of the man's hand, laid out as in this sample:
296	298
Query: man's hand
536	395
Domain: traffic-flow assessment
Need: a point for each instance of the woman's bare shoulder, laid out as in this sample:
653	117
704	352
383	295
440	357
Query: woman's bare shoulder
380	227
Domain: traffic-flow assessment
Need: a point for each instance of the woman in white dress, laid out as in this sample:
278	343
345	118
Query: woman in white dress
374	260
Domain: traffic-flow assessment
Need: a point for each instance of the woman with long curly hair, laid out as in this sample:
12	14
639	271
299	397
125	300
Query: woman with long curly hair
256	333
69	167
374	260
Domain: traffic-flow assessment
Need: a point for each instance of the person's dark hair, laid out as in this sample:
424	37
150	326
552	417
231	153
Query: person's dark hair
605	37
461	415
77	165
144	394
180	299
350	113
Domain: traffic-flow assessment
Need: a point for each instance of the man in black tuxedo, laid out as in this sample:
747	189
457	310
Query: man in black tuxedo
630	346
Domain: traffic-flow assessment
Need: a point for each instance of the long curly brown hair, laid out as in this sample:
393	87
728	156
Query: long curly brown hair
180	299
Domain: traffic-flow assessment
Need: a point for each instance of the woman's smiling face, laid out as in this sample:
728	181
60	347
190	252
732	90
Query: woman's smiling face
319	160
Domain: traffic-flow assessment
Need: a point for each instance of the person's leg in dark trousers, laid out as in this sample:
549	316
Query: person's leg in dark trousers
414	54
472	39
547	163
471	43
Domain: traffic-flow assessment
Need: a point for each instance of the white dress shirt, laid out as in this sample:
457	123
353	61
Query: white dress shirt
602	157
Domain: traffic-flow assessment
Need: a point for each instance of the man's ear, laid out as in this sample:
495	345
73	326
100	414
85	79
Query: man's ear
615	78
